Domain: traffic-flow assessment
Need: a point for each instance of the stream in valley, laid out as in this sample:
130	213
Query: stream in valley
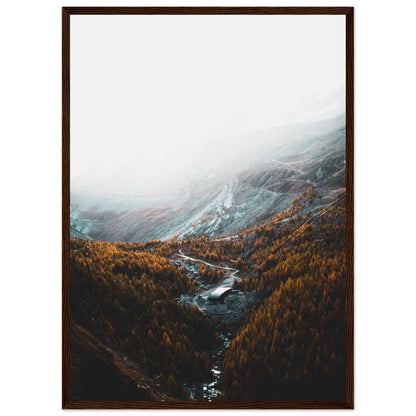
225	312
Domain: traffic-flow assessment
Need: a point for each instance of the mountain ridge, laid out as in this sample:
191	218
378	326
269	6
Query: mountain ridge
258	184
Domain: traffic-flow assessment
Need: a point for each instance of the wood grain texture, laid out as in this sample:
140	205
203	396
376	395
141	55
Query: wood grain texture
349	393
207	10
349	289
65	208
209	405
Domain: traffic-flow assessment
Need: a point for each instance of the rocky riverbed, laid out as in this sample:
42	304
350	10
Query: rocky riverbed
226	312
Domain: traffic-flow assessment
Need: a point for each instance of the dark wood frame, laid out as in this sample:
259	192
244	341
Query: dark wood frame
349	393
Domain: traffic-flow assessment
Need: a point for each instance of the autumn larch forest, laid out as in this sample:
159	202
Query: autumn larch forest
147	323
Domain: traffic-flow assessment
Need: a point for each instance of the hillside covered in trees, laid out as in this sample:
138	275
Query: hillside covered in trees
288	345
125	296
293	346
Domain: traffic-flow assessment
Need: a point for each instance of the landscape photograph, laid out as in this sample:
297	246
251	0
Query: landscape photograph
208	208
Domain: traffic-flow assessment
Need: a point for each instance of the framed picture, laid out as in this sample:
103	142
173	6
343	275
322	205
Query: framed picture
207	207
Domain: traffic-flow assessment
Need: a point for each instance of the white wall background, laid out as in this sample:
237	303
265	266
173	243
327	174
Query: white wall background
30	132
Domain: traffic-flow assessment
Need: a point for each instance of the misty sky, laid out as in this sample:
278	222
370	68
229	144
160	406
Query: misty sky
150	93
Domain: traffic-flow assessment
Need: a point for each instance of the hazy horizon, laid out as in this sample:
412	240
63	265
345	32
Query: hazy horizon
149	114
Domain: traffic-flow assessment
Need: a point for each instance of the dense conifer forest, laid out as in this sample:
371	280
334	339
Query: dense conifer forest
287	345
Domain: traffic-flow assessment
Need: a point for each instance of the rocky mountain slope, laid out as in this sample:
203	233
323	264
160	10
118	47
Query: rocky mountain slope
98	373
266	173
